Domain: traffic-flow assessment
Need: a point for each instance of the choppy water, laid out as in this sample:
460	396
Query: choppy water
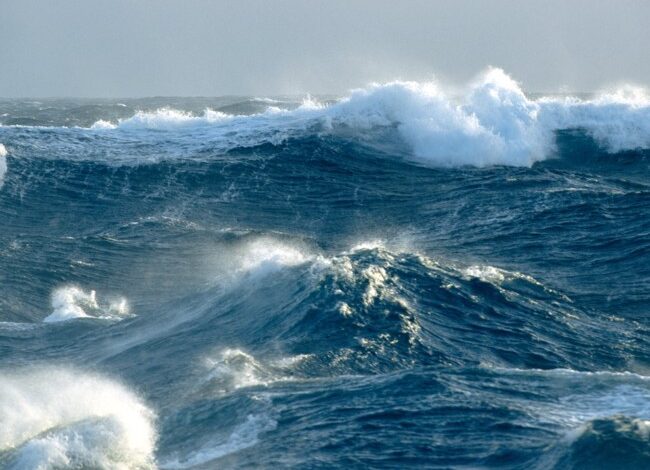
396	279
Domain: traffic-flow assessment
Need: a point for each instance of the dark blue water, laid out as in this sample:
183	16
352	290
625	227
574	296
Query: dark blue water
292	289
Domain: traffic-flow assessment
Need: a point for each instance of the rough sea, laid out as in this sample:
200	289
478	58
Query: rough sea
403	277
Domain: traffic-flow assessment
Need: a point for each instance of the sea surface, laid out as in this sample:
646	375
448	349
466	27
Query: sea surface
401	277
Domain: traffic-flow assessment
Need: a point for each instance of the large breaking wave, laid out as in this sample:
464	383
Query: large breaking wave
491	122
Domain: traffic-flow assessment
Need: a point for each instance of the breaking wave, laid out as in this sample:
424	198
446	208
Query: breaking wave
72	302
493	123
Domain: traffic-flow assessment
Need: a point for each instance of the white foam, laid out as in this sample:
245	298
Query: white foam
267	254
229	370
64	418
223	131
617	121
368	245
494	122
72	302
101	124
255	258
486	273
3	164
168	119
376	277
497	276
243	436
631	427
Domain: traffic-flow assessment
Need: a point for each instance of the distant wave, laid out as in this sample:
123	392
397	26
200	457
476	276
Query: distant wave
493	122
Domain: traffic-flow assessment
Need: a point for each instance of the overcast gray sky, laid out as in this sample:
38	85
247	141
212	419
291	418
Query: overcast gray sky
120	48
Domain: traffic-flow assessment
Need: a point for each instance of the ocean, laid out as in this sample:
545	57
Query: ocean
401	277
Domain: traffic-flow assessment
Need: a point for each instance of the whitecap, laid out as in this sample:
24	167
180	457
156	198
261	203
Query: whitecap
170	119
72	302
266	255
254	258
102	124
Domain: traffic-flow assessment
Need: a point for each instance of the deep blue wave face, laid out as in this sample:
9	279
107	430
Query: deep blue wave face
354	284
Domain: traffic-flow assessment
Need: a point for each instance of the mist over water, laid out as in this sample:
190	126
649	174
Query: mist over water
404	276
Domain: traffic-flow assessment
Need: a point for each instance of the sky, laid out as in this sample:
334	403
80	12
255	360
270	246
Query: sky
137	48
